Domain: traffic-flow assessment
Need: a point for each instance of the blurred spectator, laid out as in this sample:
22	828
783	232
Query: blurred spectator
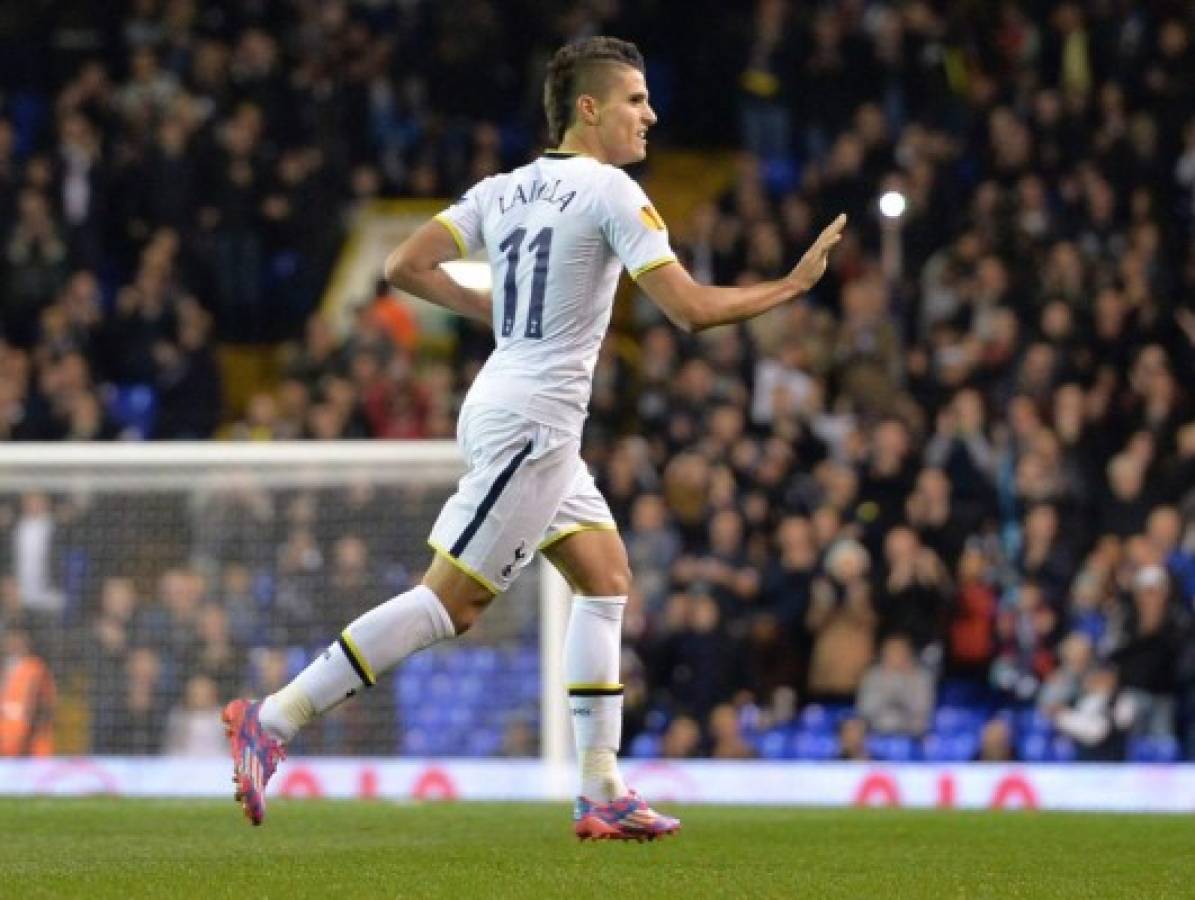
1146	653
193	727
897	694
27	698
35	554
187	379
995	741
1125	506
141	708
725	736
520	739
722	569
218	658
169	626
1099	719
231	515
35	257
1045	558
912	596
1025	633
300	570
971	632
769	662
106	652
1065	683
842	621
652	547
682	740
765	82
852	739
239	604
695	665
351	578
788	579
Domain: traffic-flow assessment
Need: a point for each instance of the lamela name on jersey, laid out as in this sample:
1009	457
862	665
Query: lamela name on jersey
537	192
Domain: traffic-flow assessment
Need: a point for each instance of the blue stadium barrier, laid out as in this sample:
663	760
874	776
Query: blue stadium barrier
460	702
892	747
956	719
952	746
415	741
1154	750
419	664
774	744
484	742
1033	746
1030	721
816	717
646	746
815	745
1062	749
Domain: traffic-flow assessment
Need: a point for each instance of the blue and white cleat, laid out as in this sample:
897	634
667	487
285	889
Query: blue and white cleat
627	819
255	756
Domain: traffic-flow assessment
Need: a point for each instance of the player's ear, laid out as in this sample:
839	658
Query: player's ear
587	109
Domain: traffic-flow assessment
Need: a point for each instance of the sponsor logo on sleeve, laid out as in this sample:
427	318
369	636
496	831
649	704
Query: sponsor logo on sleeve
651	218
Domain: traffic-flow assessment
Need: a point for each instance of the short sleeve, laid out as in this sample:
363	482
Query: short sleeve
634	229
463	220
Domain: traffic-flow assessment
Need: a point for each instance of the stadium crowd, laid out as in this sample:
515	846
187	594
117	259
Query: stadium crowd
943	505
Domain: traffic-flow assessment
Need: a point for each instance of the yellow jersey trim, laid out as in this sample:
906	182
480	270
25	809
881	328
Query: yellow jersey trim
358	656
455	232
576	529
654	264
472	573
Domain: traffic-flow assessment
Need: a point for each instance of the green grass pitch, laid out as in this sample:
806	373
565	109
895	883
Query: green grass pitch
134	848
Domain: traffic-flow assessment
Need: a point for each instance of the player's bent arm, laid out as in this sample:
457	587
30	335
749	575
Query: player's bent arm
414	266
694	306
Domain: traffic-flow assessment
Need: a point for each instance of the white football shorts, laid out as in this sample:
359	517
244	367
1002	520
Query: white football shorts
527	487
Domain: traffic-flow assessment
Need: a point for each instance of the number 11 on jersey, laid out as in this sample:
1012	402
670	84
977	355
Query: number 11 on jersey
512	247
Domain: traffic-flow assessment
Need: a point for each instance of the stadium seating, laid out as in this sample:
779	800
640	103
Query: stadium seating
134	408
1154	750
460	703
892	747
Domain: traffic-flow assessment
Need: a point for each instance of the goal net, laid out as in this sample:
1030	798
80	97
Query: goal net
159	580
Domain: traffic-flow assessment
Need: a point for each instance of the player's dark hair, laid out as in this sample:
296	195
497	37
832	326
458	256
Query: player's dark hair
570	70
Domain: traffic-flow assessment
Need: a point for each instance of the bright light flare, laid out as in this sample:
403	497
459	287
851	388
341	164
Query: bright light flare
892	204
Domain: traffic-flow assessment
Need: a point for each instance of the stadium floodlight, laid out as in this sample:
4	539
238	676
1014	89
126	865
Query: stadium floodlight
470	273
892	204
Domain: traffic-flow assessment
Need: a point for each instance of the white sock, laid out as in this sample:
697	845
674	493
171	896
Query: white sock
592	646
367	649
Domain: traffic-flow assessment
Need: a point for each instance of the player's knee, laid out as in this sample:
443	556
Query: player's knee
612	582
465	613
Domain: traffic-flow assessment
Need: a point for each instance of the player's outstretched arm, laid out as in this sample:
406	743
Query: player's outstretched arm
414	267
694	306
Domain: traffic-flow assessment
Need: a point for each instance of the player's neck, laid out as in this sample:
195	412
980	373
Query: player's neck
576	143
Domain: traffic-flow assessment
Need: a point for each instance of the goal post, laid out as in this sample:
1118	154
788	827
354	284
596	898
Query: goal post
158	579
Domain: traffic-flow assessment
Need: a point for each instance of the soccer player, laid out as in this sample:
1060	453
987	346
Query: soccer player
557	232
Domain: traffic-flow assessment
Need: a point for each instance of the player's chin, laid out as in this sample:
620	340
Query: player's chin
636	154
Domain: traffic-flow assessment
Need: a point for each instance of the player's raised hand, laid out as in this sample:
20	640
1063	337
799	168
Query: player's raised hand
812	267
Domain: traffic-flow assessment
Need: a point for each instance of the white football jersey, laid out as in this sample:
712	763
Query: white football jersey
557	232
